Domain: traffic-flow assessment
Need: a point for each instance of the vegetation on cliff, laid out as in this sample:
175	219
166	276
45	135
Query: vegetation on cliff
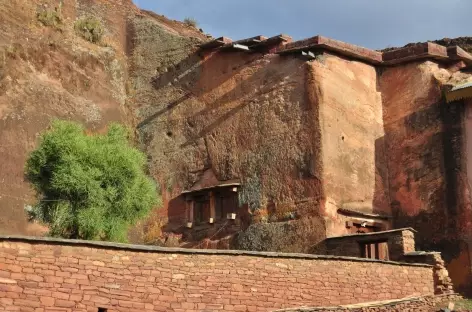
89	28
50	18
90	186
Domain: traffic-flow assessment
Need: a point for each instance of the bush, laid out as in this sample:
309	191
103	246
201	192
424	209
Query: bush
190	22
51	18
89	28
90	186
294	236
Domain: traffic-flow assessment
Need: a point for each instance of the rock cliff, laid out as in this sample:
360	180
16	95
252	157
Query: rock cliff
51	72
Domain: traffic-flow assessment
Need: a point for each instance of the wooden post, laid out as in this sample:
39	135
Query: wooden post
212	206
190	205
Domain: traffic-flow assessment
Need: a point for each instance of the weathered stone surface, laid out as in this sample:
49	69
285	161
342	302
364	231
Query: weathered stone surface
425	140
46	73
350	117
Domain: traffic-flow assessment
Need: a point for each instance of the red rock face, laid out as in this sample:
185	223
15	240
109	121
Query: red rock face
46	73
411	99
295	133
425	142
350	117
303	138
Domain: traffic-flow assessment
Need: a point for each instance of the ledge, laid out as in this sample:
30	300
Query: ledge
369	304
352	212
156	249
414	53
372	233
283	45
421	253
324	43
216	43
458	54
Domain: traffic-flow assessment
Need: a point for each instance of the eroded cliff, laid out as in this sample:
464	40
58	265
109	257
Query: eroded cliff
51	72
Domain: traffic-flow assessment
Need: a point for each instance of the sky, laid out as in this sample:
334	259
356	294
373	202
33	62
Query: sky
373	24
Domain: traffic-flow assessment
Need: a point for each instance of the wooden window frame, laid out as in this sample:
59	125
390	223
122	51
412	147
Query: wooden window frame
372	249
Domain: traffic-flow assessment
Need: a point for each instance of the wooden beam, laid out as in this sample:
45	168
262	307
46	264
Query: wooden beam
240	47
190	207
310	55
212	205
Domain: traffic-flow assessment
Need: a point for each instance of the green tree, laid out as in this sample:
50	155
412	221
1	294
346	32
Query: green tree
90	186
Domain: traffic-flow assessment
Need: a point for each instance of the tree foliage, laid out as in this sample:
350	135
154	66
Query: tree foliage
90	186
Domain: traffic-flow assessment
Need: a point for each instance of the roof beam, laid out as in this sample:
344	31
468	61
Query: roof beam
309	55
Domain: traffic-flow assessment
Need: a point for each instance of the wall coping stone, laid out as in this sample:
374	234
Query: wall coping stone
421	253
157	249
371	234
369	304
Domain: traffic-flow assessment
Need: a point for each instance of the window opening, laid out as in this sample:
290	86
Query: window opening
374	250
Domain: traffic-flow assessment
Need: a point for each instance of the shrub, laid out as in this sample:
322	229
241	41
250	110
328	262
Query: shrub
152	230
90	186
294	236
190	22
89	28
51	18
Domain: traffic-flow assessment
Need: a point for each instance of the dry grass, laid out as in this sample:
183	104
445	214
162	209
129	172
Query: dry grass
50	18
463	305
152	230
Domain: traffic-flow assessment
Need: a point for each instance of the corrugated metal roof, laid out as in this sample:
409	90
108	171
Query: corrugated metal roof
460	92
462	86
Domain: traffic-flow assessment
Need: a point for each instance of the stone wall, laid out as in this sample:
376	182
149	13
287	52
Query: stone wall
441	275
421	304
399	242
83	276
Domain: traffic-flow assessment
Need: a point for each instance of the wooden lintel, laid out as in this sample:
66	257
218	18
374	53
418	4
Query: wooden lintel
240	47
212	205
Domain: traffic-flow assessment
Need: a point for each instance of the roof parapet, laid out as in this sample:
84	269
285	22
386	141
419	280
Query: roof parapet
254	44
416	52
324	43
283	45
457	53
216	43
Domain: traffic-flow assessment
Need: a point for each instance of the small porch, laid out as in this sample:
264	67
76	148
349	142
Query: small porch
212	205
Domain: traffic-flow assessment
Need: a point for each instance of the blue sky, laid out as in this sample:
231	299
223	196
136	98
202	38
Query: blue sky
371	23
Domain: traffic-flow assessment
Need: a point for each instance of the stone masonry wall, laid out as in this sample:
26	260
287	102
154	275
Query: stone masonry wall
39	274
399	242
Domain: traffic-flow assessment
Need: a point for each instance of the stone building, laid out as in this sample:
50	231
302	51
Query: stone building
281	130
319	136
